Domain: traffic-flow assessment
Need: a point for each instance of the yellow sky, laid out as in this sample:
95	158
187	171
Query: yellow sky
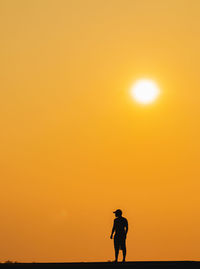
74	146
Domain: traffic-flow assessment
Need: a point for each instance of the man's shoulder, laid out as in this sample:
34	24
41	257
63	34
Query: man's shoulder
125	220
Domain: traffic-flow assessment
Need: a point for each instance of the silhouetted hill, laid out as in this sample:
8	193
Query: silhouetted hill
109	265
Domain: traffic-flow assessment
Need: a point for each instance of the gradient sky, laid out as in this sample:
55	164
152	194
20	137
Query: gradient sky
74	146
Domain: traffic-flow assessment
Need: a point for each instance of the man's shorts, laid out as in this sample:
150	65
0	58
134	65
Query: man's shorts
120	242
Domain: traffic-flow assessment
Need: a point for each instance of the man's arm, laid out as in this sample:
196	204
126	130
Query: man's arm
113	230
126	227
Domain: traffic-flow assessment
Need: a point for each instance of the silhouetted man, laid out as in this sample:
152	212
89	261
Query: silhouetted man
120	228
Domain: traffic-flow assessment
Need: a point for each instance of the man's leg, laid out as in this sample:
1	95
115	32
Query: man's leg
116	245
124	250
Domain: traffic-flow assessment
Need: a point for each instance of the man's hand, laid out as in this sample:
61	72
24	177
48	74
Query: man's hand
111	237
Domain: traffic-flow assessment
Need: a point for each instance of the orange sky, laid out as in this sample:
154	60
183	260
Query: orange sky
74	146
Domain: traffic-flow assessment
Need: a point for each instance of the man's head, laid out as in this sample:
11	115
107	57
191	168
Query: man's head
118	213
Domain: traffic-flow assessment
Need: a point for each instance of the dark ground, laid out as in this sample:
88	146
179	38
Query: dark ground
109	265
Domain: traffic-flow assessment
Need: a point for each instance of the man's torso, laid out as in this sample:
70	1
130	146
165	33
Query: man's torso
120	224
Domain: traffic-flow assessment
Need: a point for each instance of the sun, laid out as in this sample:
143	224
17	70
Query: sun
145	91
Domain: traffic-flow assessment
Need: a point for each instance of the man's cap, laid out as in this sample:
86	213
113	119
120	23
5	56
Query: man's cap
118	211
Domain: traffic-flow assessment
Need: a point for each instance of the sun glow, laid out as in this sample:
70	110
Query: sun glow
145	91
